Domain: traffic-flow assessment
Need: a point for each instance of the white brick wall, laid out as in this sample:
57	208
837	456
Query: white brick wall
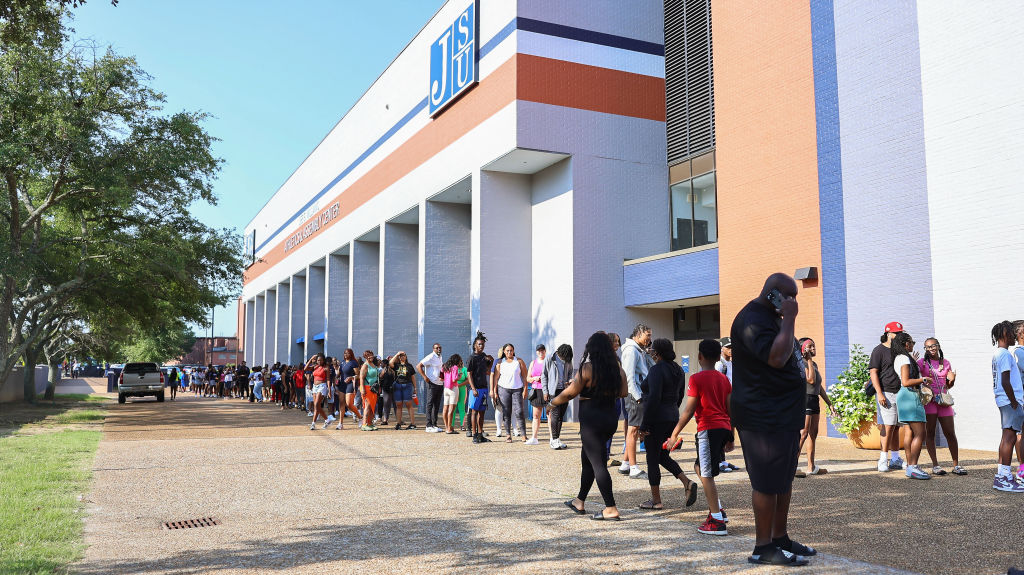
337	305
365	270
297	319
400	265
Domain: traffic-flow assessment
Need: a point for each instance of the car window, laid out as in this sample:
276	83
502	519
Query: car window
140	368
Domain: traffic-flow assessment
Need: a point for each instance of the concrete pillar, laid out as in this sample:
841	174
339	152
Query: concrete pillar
337	305
445	258
501	269
258	331
551	260
364	310
316	307
250	326
270	331
281	333
399	280
297	319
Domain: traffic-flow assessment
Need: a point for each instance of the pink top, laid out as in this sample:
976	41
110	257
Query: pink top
536	369
451	376
937	371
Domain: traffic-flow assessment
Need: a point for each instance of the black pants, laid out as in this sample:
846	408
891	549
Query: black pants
387	402
512	401
658	457
598	422
434	395
556	416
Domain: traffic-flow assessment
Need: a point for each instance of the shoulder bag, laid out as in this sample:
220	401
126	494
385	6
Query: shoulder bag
944	399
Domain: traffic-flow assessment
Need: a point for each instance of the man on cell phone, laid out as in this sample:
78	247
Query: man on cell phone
768	409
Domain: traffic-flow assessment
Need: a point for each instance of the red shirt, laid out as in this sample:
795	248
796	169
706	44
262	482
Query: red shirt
320	374
712	390
299	378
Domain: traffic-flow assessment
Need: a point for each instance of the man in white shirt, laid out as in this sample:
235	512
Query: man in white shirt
724	366
429	369
635	363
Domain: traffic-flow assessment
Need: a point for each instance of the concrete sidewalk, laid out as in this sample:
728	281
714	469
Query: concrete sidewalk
299	501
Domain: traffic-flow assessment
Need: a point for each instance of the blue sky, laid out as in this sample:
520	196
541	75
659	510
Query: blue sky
275	75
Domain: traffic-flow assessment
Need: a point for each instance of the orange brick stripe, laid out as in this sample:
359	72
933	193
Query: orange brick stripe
526	77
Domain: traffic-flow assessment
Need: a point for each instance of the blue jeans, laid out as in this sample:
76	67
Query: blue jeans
257	390
403	392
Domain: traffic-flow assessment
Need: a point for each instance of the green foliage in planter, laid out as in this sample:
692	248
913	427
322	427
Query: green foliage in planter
853	407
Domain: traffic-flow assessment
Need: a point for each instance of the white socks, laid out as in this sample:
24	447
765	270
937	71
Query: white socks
1004	471
718	516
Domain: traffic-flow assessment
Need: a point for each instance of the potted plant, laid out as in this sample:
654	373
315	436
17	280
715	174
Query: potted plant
855	411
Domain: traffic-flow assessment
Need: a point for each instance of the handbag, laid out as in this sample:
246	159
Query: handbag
925	394
944	399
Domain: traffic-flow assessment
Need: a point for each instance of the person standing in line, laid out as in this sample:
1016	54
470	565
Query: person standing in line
405	386
601	380
724	366
620	405
369	385
429	369
510	387
386	376
462	383
257	384
663	393
636	363
908	399
299	386
1009	393
172	382
557	374
707	399
937	367
887	384
812	413
535	392
478	370
1018	354
450	372
321	385
767	406
348	382
229	381
242	379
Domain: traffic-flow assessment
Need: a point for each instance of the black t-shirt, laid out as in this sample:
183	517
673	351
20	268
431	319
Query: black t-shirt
477	367
242	373
881	359
403	373
764	398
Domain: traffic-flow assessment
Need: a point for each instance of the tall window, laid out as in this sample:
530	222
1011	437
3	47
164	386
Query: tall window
694	212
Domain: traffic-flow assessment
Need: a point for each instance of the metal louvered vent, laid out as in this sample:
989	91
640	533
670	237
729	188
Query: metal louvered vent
689	79
191	523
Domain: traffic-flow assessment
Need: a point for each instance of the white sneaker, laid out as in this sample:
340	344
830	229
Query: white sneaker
561	444
309	413
883	465
517	433
331	418
312	426
624	468
532	441
500	434
326	423
553	443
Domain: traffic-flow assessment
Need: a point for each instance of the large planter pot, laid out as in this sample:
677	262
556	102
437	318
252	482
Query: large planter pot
869	437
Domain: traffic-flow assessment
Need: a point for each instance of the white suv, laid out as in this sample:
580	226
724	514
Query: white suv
139	380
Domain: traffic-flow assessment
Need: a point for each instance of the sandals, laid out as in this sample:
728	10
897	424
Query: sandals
650	505
508	440
576	510
691	492
600	516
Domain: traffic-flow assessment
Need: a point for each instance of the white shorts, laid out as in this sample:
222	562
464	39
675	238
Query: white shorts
888	416
320	388
451	396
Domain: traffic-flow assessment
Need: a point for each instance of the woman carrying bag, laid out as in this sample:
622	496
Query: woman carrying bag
940	408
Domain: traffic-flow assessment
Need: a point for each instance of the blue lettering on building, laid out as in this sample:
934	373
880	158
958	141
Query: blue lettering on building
453	60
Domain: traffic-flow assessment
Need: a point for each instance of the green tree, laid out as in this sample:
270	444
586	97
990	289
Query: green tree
98	182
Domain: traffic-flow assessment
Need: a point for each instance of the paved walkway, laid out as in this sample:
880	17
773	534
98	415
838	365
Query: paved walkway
292	500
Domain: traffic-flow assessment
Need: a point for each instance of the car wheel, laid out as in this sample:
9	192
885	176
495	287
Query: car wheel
120	398
160	396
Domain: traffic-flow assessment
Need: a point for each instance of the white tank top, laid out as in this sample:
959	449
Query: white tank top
509	377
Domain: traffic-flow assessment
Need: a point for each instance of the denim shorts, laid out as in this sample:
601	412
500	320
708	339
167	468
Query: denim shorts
1012	418
403	392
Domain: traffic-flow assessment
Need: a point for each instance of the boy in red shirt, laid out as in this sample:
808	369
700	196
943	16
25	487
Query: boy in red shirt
707	398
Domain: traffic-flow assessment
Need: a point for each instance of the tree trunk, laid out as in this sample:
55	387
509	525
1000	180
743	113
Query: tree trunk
53	379
30	376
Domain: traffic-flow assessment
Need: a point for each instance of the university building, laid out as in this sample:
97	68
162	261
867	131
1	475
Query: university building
542	170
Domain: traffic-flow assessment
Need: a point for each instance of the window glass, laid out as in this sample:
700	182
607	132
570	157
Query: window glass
694	212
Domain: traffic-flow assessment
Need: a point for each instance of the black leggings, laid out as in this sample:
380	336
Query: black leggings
555	416
598	423
658	457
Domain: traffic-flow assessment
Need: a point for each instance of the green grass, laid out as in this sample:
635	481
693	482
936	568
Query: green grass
80	416
41	478
79	397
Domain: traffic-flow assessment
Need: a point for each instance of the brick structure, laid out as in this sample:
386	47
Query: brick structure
216	350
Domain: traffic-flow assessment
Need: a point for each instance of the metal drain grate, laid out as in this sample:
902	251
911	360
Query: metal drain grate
190	523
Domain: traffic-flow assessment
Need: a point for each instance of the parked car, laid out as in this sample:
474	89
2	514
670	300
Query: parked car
139	380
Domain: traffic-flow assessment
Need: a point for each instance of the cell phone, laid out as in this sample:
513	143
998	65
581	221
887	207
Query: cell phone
775	297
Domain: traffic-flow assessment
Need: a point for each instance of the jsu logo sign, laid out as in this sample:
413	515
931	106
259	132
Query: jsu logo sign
453	60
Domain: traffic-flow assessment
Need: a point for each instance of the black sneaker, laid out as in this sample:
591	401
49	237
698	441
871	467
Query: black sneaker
772	555
787	544
477	439
469	434
483	438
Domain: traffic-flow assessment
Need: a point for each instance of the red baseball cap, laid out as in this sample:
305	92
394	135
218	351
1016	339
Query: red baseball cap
893	326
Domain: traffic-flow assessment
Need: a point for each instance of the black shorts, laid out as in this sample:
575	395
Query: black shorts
634	411
711	450
538	398
813	405
771	458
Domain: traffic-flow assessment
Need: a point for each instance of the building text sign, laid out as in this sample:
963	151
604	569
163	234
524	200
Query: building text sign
312	226
453	60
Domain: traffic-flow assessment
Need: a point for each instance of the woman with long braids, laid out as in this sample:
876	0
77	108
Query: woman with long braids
349	379
908	404
600	382
369	384
321	384
934	365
